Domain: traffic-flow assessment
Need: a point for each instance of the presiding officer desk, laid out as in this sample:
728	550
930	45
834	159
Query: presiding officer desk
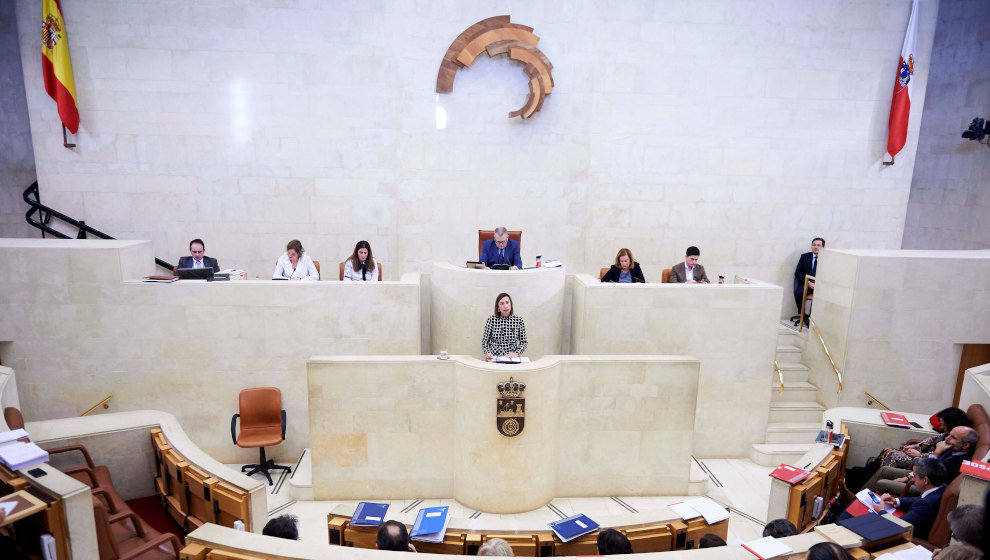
731	328
462	298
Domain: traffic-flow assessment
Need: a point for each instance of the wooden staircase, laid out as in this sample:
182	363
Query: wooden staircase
795	415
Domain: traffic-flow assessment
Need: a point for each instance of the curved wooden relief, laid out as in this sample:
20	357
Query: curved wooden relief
498	36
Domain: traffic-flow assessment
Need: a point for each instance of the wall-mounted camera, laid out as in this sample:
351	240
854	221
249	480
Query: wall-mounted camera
978	130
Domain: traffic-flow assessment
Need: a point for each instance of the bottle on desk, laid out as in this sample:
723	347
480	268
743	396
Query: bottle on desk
539	261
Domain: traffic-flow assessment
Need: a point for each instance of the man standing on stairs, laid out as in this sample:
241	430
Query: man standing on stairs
807	266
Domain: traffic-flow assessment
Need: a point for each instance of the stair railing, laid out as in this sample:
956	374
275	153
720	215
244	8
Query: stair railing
780	376
872	399
32	196
835	369
105	401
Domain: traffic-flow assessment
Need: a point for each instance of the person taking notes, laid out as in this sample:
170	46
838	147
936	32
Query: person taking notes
501	250
361	266
295	264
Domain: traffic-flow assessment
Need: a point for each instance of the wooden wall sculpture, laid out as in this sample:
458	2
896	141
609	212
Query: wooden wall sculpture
497	36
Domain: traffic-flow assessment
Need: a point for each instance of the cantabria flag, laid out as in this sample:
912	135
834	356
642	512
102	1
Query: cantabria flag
900	104
55	64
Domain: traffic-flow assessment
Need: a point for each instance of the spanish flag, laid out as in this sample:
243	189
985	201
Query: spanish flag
55	64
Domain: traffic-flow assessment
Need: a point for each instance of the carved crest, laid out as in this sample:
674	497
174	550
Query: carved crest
510	410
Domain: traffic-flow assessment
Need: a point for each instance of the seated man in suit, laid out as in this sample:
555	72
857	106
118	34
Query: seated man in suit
958	445
501	250
929	479
198	259
689	271
807	265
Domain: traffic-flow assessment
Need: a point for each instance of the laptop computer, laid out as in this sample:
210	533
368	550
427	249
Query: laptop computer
194	273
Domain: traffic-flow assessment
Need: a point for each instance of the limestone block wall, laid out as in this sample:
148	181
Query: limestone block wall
370	415
730	328
739	126
16	154
949	200
80	327
895	322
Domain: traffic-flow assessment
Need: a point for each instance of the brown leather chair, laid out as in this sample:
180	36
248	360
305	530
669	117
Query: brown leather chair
117	540
317	265
376	263
95	476
665	276
12	416
601	273
262	425
486	234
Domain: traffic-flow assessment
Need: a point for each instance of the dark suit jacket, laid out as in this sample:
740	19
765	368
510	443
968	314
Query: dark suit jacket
678	273
803	269
953	463
921	512
489	254
613	274
208	262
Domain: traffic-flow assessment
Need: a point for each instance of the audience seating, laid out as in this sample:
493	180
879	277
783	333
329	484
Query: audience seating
262	425
345	262
118	541
486	234
939	534
191	496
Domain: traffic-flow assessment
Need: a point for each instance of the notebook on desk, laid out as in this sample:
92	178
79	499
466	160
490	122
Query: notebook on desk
369	514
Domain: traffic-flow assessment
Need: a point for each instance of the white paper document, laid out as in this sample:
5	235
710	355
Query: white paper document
915	553
709	509
767	547
13	435
7	507
864	496
684	511
22	455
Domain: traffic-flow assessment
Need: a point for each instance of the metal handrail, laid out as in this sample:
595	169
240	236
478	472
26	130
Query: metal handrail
873	399
828	354
780	376
32	196
105	401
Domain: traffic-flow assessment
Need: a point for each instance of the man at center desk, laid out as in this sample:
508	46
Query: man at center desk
689	271
501	250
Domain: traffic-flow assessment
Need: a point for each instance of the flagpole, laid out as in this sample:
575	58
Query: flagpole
891	162
65	138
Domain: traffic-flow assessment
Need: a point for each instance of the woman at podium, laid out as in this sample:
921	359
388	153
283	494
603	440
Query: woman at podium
625	270
505	332
361	266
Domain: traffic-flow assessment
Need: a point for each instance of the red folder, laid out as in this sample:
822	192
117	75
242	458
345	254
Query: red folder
789	474
857	508
891	419
979	469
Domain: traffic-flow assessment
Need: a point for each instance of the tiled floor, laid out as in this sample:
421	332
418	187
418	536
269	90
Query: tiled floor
739	484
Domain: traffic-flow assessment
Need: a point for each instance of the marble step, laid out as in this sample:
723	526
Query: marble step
301	483
788	354
792	372
773	454
792	432
794	391
787	335
796	411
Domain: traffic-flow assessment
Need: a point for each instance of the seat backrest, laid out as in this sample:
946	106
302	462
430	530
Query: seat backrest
104	535
260	406
342	270
601	273
317	265
486	234
665	276
12	416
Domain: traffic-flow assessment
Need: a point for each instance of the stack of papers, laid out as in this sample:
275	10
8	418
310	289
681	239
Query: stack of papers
164	279
573	527
914	553
431	524
22	455
767	547
369	514
13	435
508	360
700	507
864	497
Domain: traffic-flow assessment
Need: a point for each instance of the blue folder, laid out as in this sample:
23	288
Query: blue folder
872	527
431	524
573	527
369	514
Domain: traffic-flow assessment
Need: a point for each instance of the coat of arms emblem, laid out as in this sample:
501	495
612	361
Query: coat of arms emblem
510	410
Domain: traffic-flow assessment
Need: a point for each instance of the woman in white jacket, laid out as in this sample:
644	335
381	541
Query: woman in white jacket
295	264
361	266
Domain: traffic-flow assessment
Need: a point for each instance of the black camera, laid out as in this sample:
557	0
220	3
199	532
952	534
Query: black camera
978	129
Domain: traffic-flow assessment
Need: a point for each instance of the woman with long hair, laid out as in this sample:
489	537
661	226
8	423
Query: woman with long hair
361	265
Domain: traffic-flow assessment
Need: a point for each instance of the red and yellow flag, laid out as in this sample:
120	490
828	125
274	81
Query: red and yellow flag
55	64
